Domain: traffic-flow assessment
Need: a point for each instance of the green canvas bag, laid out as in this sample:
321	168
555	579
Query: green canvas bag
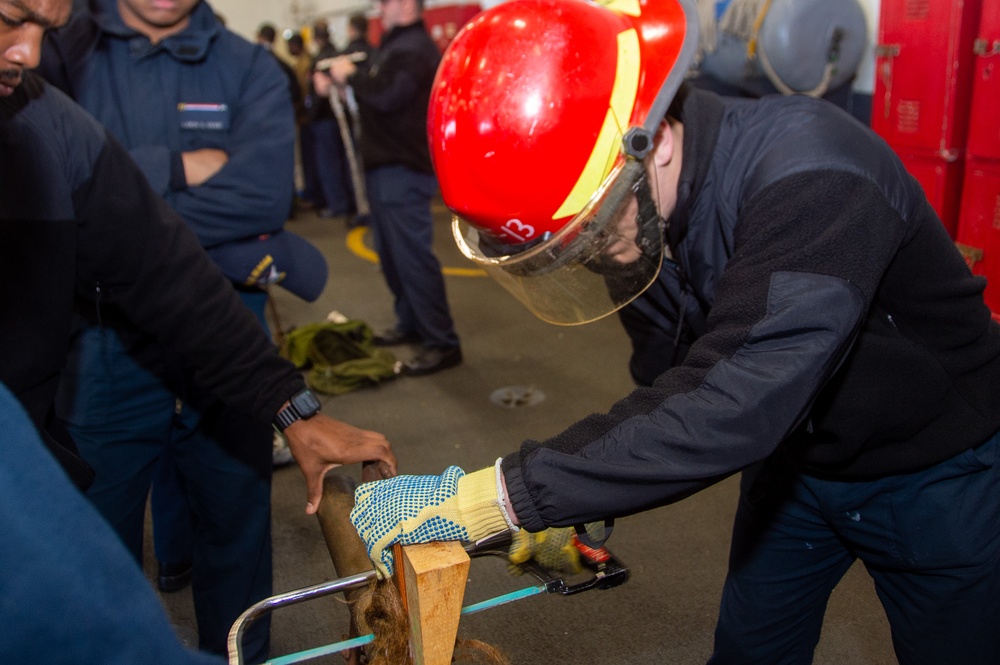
339	357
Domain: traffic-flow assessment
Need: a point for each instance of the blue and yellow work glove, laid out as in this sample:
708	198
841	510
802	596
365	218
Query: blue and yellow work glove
419	509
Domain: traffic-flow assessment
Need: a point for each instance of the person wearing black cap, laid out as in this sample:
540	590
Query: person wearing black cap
208	118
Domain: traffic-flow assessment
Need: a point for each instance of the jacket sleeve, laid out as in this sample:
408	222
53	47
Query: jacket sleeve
810	251
41	585
252	194
163	169
136	253
394	84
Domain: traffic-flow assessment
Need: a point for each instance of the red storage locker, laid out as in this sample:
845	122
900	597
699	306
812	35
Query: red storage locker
979	231
984	116
444	22
923	73
941	178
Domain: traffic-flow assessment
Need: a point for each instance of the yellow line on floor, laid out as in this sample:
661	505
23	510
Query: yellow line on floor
356	243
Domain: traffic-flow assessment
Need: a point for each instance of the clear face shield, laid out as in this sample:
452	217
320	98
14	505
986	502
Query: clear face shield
608	254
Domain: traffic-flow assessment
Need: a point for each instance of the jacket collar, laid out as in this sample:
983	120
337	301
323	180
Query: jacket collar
701	113
189	45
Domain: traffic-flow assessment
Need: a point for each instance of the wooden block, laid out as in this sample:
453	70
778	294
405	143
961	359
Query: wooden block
432	585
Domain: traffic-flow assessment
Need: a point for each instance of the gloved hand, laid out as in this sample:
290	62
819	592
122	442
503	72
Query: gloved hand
552	549
420	509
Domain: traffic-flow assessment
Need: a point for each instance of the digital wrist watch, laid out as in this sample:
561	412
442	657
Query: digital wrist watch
301	406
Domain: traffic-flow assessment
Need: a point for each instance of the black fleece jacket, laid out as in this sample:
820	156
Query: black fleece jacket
80	227
826	315
393	89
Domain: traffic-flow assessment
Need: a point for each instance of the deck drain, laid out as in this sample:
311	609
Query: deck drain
512	397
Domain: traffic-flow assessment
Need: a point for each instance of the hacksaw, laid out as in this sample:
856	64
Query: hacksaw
602	571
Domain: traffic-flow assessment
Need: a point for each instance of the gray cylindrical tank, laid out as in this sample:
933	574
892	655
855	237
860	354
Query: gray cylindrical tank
796	42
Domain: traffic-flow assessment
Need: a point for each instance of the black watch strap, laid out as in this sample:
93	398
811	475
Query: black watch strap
285	417
301	406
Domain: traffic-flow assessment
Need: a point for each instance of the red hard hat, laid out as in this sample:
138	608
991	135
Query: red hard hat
537	104
529	90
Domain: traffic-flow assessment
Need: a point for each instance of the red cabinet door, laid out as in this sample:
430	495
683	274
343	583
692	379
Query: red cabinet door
979	230
984	115
923	73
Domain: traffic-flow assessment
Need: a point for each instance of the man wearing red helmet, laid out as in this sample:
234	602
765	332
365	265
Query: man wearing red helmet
797	313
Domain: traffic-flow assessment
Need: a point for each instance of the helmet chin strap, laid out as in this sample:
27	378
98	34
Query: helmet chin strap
652	225
649	226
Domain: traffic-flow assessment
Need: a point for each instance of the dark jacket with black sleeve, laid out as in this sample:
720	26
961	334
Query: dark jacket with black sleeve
358	46
393	89
78	219
826	314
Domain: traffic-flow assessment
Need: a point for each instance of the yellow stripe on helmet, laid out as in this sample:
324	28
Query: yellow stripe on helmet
629	7
608	144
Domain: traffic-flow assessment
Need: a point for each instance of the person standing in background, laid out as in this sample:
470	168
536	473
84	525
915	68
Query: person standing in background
208	117
323	158
301	60
393	88
307	186
357	36
266	34
359	49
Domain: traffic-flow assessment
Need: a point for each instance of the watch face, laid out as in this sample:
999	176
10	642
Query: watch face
305	403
